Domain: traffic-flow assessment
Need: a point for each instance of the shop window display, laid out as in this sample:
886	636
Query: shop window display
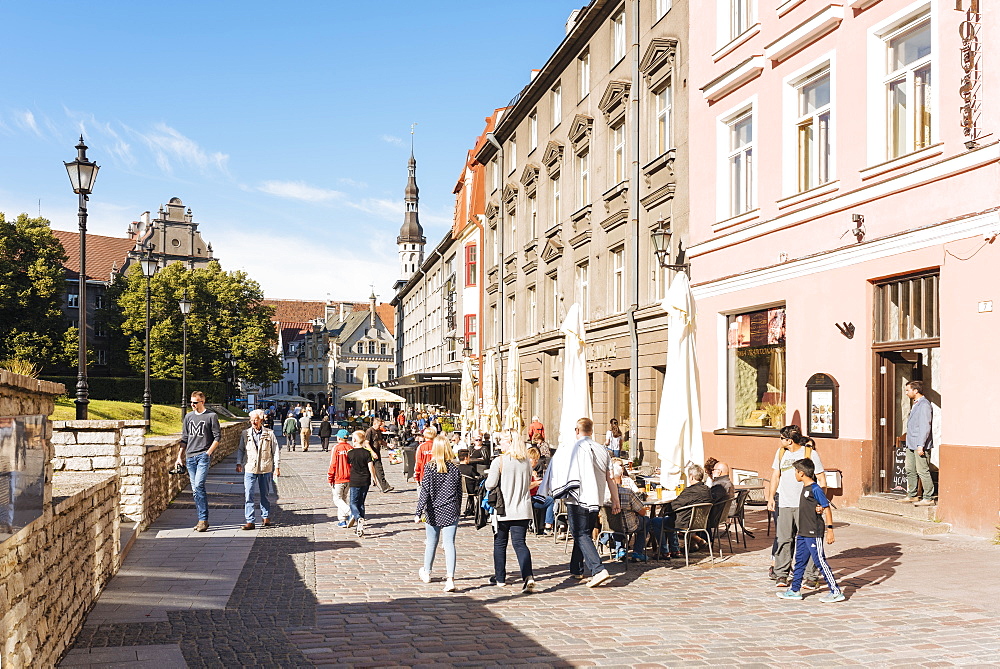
757	369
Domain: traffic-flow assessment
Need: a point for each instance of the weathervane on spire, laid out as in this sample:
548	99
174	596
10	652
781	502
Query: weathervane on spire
412	126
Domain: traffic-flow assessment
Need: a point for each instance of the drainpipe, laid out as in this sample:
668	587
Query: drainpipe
501	303
633	388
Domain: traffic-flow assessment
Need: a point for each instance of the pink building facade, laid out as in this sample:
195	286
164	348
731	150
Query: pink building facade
843	236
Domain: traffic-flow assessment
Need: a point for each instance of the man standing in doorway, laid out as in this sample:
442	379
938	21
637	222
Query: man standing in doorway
259	459
581	474
199	438
918	445
376	441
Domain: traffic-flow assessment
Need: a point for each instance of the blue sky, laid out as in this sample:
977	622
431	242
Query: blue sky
283	126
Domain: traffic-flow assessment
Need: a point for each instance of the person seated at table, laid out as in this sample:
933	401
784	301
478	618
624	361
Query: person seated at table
722	485
542	503
709	470
696	492
634	514
627	481
471	477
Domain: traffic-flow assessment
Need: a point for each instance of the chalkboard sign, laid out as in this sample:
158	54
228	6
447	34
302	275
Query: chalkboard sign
899	468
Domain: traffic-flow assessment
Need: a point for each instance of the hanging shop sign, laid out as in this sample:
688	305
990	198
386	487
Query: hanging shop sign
971	84
821	403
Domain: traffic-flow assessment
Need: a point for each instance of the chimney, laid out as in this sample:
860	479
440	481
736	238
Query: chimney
341	317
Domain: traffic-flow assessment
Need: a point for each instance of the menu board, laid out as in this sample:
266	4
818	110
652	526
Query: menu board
821	412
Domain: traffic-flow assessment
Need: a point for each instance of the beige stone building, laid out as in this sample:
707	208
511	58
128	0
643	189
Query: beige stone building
590	159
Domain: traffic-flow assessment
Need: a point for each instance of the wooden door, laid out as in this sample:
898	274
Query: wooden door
894	369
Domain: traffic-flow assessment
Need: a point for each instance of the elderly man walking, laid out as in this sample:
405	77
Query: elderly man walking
305	425
258	458
581	474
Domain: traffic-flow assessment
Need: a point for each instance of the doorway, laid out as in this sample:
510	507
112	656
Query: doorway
893	370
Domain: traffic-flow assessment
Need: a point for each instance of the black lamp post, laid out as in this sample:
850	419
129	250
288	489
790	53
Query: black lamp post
233	362
661	245
149	268
228	355
185	304
82	174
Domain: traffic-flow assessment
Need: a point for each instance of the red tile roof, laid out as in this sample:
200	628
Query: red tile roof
296	311
385	311
103	253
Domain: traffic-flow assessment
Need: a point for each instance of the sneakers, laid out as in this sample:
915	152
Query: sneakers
449	584
781	582
910	500
499	584
342	523
361	527
577	577
637	557
598	578
424	575
390	489
529	586
831	598
202	526
352	521
925	502
620	554
770	573
788	594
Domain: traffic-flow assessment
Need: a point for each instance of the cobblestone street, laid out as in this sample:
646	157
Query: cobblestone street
307	592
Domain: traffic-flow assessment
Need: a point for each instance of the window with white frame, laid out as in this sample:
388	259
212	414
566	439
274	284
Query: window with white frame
533	216
583	69
556	104
496	246
618	166
556	201
618	279
372	376
662	115
812	130
662	7
72	299
659	276
740	163
532	311
553	286
102	356
742	15
618	37
583	179
908	87
583	287
495	172
533	131
511	317
512	226
512	153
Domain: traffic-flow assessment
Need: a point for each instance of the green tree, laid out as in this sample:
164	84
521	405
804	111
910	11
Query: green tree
227	315
32	284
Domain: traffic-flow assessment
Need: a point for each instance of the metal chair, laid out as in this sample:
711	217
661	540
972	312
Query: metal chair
718	520
697	525
758	488
614	524
736	516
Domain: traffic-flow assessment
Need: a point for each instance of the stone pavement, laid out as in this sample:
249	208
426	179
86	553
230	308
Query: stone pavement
308	593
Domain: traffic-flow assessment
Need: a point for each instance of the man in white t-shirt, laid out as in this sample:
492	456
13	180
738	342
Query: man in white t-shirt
793	447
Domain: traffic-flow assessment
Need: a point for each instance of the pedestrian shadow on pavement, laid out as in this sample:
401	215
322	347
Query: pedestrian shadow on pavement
441	630
867	565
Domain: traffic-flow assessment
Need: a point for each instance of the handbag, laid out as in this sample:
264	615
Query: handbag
494	498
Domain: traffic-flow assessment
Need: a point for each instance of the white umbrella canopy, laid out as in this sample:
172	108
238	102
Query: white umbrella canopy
678	427
373	394
512	417
575	397
488	378
468	391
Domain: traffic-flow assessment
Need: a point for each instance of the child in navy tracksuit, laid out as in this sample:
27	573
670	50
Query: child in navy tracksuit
814	508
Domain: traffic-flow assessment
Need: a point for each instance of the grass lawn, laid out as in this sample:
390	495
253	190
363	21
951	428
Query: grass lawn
165	419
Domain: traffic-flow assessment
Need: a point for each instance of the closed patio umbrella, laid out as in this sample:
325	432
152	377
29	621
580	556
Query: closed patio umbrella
468	391
512	418
575	395
488	379
678	427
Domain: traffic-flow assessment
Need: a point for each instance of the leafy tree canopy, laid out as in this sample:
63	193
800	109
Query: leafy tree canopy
226	315
32	283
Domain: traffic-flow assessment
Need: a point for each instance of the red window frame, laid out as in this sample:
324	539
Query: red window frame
471	265
470	329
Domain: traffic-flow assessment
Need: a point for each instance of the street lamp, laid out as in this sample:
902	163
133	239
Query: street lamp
149	267
661	246
228	355
185	304
82	174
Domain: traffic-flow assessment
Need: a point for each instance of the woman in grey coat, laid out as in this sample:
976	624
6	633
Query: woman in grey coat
512	473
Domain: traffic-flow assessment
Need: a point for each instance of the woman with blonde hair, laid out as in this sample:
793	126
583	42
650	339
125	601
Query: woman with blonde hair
511	472
438	506
362	473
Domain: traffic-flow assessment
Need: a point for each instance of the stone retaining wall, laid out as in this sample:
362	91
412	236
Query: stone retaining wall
141	462
53	570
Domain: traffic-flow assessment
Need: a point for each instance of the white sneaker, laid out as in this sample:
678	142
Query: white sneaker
449	585
599	578
425	575
361	527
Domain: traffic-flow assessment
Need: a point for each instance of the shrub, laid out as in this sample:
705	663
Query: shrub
130	389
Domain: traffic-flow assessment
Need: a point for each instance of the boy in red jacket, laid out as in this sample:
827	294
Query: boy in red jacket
424	452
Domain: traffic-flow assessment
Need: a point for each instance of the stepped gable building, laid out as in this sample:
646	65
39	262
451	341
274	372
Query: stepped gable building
590	159
172	236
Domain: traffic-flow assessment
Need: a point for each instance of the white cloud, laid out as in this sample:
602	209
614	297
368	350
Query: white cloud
352	183
169	146
392	139
390	210
26	120
299	190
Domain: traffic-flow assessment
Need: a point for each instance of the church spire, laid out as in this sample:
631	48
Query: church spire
411	238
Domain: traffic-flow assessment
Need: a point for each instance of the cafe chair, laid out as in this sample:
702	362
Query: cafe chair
736	518
758	488
718	521
614	529
697	526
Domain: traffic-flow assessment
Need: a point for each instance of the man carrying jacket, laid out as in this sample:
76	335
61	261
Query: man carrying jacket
258	459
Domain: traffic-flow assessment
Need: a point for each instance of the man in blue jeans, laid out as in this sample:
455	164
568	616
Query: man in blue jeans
199	439
259	459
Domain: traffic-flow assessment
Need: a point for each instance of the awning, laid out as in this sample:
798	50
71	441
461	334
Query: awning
423	379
